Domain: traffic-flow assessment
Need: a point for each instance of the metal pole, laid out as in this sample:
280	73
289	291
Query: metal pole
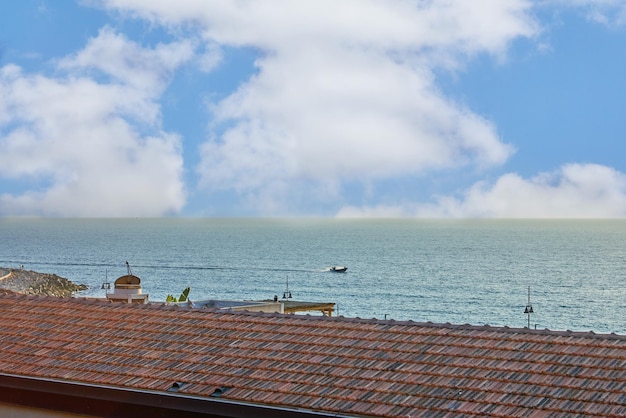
529	307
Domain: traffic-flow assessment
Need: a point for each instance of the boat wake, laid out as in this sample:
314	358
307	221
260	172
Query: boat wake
43	264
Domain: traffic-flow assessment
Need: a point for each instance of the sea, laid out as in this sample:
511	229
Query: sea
479	272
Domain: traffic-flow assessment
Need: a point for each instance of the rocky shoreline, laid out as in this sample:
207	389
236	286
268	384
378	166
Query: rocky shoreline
33	283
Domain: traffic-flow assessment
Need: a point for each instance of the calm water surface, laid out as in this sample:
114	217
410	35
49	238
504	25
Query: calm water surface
461	271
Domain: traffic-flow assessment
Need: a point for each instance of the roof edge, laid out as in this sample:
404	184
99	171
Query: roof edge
54	394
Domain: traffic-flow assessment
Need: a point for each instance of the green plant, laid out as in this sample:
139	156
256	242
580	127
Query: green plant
182	298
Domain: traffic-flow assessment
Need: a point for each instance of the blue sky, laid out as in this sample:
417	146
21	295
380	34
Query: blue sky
350	108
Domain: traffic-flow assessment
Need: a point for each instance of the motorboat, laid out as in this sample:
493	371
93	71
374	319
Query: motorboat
338	269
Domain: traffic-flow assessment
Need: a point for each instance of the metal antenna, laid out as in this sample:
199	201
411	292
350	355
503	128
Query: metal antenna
287	293
106	285
529	308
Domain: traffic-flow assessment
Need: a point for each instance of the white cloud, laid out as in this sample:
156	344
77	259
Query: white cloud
210	58
74	140
606	12
345	90
574	191
128	63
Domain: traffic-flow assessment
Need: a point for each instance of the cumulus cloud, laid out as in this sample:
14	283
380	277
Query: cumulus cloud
345	91
573	191
342	93
75	140
128	63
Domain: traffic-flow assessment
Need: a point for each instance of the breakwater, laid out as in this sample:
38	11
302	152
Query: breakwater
34	283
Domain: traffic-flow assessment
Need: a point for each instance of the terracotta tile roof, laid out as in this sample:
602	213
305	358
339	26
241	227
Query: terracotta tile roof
337	365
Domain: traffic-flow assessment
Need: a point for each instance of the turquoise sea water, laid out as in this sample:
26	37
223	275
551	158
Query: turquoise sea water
457	271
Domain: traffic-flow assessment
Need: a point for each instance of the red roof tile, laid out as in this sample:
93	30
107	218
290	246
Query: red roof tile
336	365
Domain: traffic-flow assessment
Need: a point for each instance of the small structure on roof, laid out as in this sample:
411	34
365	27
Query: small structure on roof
127	289
233	306
292	307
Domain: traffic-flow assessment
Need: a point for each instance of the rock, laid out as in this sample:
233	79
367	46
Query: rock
33	283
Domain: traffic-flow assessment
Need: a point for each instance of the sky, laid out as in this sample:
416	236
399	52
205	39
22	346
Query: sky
331	108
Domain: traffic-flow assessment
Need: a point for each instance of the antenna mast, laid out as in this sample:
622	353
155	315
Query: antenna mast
529	308
106	286
287	293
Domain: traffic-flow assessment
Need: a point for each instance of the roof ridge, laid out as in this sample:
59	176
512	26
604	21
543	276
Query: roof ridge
344	320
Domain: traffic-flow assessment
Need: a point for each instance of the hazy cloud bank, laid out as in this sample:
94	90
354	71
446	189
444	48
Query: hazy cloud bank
573	191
